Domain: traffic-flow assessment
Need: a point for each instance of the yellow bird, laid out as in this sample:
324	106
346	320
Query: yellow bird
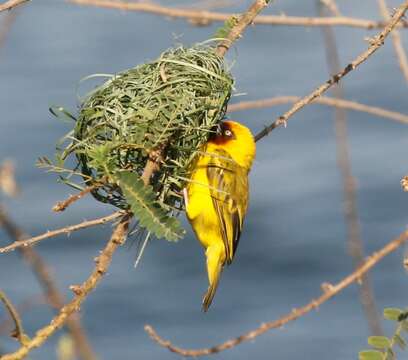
217	196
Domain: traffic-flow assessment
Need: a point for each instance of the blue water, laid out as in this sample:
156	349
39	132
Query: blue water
295	235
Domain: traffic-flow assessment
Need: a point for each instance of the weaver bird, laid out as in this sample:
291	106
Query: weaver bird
217	196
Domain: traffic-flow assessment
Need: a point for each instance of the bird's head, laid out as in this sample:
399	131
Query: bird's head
237	140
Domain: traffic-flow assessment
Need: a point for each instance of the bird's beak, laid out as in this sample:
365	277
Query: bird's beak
218	130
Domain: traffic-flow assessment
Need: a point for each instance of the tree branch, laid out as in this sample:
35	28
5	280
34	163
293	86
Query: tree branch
8	184
18	332
404	183
8	5
245	19
52	294
376	43
354	240
329	291
62	205
339	103
396	39
64	230
205	17
81	292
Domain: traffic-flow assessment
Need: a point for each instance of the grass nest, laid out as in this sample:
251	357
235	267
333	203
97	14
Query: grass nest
170	104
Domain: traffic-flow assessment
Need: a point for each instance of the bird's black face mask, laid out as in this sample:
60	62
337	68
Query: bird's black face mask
221	131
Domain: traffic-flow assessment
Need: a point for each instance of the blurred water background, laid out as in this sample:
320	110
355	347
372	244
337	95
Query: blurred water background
295	234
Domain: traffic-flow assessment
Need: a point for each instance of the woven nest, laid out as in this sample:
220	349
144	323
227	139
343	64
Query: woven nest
171	103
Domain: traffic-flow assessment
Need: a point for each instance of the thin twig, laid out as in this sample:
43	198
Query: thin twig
205	17
24	306
64	230
245	19
153	164
329	291
18	332
62	205
404	183
355	243
8	5
81	293
8	184
53	295
339	103
376	43
396	39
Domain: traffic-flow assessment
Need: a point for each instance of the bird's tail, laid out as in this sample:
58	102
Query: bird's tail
214	272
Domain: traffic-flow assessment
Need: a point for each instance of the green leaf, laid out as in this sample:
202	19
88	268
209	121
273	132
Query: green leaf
370	355
400	341
144	206
392	313
379	342
404	325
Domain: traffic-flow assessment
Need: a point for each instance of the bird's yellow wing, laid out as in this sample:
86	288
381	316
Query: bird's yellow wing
229	191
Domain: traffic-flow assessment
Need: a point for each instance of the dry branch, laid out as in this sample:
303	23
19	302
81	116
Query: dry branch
50	289
404	183
8	5
64	230
355	242
18	332
329	291
244	20
21	308
205	17
396	39
62	205
8	184
340	103
81	292
376	43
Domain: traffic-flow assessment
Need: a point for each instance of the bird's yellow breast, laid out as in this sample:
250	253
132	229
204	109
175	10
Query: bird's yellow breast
200	209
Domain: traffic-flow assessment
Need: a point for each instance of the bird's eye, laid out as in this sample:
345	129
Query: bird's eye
228	133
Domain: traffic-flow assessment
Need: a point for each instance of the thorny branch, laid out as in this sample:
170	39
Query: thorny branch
244	20
205	17
18	332
376	43
396	39
8	5
64	230
80	291
355	242
53	295
329	101
8	183
21	308
404	183
62	205
329	291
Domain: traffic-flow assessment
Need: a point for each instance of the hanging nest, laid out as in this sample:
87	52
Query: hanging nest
169	105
